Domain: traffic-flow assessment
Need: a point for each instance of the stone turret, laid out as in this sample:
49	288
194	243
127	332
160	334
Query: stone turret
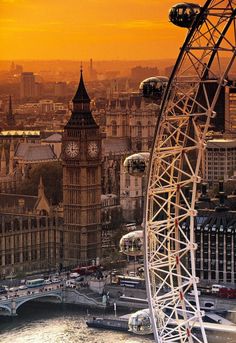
118	107
41	188
10	115
11	159
42	202
3	163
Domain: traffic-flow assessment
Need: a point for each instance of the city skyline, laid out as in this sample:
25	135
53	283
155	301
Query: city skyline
118	169
125	29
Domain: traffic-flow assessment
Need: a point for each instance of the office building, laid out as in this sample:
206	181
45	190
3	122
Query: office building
27	85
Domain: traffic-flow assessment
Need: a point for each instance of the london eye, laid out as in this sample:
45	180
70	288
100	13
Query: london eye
177	162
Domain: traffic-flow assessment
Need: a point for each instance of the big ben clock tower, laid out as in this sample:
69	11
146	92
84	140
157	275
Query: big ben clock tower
81	157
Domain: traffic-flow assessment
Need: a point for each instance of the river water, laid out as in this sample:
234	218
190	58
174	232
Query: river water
56	323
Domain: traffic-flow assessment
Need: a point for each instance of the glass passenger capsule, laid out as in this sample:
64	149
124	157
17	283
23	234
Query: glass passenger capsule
153	87
183	14
136	164
132	243
140	323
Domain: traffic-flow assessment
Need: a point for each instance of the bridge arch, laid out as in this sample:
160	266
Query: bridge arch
38	296
5	308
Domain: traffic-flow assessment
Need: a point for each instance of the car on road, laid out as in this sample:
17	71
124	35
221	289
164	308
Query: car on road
114	272
79	279
74	275
3	290
71	284
3	297
21	287
5	287
133	274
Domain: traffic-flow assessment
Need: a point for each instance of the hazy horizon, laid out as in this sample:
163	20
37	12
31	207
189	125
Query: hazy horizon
72	30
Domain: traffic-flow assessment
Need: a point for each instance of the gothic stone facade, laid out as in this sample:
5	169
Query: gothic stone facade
81	158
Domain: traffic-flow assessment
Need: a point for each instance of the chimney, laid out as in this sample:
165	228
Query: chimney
204	196
222	197
221	186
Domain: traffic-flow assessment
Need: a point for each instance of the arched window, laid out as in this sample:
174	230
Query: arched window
139	145
113	128
139	129
123	128
149	129
16	225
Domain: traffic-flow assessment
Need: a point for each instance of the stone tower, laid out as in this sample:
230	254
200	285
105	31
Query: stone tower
11	158
81	156
3	163
10	115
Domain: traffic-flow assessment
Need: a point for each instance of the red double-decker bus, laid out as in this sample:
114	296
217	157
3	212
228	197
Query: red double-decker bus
228	293
85	270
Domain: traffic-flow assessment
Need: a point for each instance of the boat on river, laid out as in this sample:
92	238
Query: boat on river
117	324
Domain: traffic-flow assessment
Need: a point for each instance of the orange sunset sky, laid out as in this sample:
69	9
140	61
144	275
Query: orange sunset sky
80	29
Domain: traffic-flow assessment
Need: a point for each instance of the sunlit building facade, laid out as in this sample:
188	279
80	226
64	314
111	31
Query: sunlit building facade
31	234
27	85
215	235
220	159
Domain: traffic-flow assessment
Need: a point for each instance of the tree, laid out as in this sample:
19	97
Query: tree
52	179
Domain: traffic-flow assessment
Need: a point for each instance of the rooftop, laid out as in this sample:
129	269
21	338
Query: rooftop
30	152
56	137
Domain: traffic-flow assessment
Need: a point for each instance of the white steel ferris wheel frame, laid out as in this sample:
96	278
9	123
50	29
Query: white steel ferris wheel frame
176	162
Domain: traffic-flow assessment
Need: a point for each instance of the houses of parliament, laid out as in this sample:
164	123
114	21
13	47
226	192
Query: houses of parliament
36	235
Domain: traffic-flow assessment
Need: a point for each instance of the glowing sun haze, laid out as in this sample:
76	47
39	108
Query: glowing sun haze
80	29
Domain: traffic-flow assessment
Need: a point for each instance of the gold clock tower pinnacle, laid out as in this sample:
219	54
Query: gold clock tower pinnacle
81	158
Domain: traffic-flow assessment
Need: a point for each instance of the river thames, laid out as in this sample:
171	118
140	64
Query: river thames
56	323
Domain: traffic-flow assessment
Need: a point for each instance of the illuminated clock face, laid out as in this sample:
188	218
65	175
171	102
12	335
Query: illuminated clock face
93	149
72	149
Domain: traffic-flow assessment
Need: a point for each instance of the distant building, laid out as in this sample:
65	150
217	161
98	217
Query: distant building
215	235
230	108
28	154
10	175
111	218
60	89
31	234
16	69
10	115
129	127
46	106
16	160
27	85
220	159
140	73
31	136
38	89
54	141
92	71
168	70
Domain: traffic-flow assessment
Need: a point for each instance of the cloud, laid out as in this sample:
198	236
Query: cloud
8	1
7	20
138	24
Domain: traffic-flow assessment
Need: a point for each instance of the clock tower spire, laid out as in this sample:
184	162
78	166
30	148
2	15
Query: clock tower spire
81	158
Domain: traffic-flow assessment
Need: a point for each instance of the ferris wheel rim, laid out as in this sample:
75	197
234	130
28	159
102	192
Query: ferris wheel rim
157	130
